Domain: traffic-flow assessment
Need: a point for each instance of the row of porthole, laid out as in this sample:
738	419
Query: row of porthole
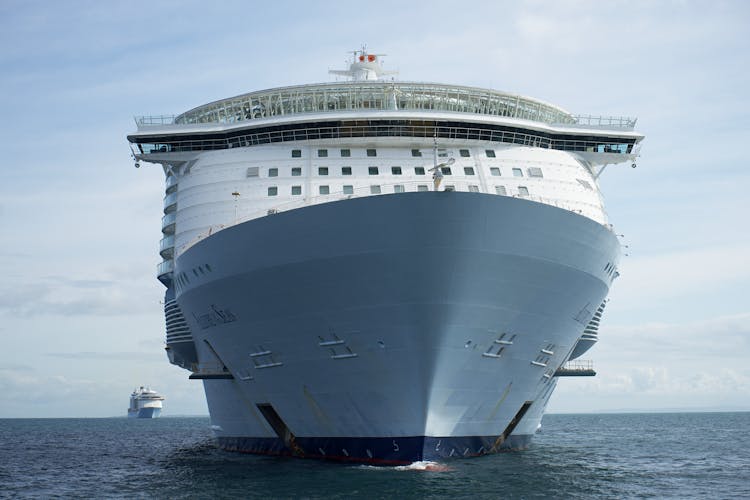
610	269
182	278
396	170
372	152
397	188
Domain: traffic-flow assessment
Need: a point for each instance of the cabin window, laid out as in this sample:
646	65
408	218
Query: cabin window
423	187
495	171
372	152
296	171
501	190
490	153
584	183
419	170
523	191
517	172
322	170
473	188
324	190
446	170
346	153
296	153
346	170
322	153
273	172
372	170
296	190
374	189
415	152
464	153
348	189
535	172
469	170
396	170
273	191
398	188
252	172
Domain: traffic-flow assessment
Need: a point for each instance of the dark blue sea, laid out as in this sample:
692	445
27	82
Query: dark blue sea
663	455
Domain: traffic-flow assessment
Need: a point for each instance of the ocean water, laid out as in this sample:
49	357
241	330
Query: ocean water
663	455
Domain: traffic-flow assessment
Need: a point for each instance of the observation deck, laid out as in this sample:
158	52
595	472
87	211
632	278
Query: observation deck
359	96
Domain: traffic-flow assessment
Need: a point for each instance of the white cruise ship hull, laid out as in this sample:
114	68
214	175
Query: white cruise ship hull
394	328
145	413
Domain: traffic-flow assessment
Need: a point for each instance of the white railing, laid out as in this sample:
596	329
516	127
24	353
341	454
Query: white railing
623	122
146	121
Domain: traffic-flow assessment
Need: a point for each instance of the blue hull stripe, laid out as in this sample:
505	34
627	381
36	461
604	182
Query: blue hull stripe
383	451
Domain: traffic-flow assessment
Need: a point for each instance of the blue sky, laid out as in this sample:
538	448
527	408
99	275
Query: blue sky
80	313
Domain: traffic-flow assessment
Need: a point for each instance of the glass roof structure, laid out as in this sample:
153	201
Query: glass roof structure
374	95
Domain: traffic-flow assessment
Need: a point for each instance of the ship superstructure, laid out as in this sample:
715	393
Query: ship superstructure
145	403
382	271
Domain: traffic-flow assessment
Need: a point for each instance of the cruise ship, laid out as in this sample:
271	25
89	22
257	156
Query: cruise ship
145	403
382	271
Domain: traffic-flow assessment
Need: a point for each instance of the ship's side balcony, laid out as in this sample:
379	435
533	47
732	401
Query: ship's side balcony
168	223
170	202
577	368
166	247
164	271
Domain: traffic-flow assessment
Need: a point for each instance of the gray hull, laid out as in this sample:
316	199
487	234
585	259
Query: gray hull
390	328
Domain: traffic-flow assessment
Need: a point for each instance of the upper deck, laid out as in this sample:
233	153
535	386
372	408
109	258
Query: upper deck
379	95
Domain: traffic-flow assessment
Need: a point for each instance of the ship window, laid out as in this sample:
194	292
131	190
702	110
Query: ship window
396	170
501	190
296	190
273	191
450	187
517	172
442	153
523	191
374	189
252	171
346	170
200	268
348	189
490	153
346	153
322	153
195	272
469	170
296	171
273	172
372	152
495	171
322	170
584	183
535	172
296	153
423	187
372	170
398	188
416	153
473	188
324	190
419	170
446	170
464	153
209	268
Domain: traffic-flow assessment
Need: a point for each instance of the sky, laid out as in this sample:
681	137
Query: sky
81	322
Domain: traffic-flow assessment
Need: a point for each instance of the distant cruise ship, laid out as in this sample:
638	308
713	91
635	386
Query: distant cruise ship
382	271
145	403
